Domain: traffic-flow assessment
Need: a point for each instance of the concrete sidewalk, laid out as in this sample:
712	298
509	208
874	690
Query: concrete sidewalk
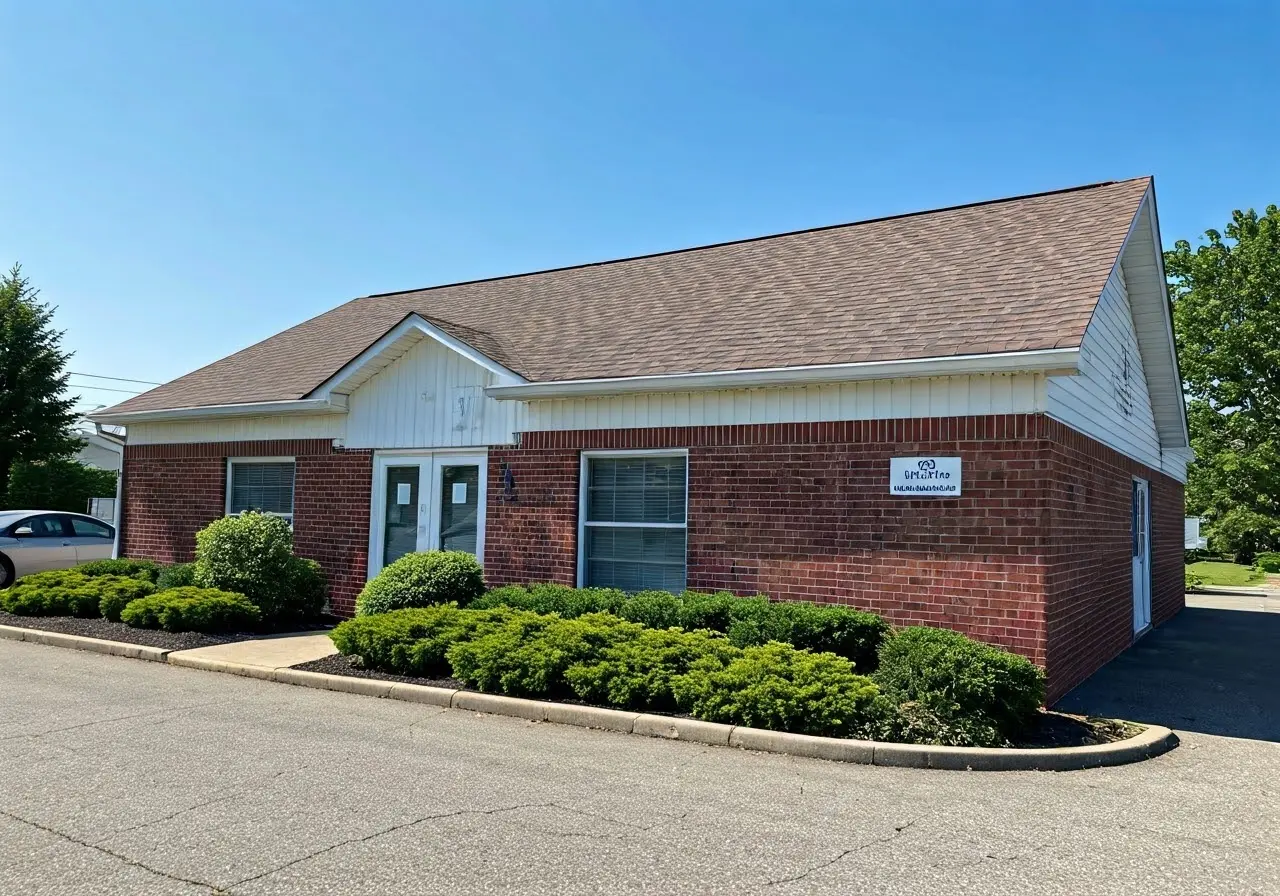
275	652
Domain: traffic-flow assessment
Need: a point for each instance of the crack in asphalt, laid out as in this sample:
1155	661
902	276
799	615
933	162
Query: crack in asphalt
115	855
898	831
390	830
237	791
139	715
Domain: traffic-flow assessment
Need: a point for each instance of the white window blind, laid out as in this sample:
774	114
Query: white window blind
634	524
264	486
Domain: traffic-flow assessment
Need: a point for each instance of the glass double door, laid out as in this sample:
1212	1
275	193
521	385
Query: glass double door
427	501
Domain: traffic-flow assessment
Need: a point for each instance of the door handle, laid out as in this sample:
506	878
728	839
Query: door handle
66	544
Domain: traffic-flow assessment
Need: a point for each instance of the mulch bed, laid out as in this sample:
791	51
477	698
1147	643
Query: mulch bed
1056	729
97	627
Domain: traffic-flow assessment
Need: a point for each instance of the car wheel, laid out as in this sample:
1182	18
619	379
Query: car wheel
6	572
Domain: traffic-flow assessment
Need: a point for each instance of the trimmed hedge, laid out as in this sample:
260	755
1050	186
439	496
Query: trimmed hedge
954	690
529	654
423	579
117	592
560	599
413	641
122	566
179	575
252	554
636	673
59	592
192	609
781	688
748	621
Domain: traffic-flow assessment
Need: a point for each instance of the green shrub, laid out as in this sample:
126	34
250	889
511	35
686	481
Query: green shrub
1268	561
414	641
822	628
528	654
122	566
1191	581
636	672
421	580
192	609
988	696
179	575
308	586
563	600
60	592
252	554
778	687
116	592
912	723
718	612
656	609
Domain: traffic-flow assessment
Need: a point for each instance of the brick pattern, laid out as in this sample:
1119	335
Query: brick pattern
1089	603
173	491
1034	555
331	495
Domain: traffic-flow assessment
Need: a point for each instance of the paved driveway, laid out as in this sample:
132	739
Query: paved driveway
1210	670
120	777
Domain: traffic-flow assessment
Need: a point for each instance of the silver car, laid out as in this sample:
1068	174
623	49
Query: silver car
39	540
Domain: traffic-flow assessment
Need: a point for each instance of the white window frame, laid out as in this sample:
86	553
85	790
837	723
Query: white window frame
583	475
232	461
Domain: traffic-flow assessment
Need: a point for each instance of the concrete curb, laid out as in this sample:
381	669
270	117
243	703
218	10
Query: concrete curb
1150	742
79	642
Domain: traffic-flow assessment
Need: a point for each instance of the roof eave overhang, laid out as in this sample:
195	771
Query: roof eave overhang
1050	362
336	404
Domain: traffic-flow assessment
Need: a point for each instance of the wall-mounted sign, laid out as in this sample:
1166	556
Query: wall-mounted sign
924	477
459	493
404	493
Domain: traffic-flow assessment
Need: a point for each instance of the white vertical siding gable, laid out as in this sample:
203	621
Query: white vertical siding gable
429	397
1108	399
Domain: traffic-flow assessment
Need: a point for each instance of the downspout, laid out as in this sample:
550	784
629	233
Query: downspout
118	513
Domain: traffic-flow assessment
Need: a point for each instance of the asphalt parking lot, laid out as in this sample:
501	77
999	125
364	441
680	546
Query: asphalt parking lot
119	776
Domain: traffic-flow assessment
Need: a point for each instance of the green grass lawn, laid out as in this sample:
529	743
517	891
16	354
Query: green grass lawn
1216	572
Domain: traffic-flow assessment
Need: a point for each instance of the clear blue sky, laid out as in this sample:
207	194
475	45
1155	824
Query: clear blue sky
185	178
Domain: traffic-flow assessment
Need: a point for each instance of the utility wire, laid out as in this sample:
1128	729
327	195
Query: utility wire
103	389
98	376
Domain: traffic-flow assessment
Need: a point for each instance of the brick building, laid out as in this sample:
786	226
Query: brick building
969	417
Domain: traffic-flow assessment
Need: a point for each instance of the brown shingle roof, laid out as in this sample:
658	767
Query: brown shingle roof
1012	275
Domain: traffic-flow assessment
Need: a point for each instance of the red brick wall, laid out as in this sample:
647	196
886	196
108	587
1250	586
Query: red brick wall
803	511
173	491
1090	581
1033	556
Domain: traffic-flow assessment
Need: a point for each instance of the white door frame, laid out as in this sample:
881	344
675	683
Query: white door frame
1140	554
430	463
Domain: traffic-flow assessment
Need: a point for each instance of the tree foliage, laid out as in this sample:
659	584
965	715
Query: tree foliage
59	483
1226	296
36	413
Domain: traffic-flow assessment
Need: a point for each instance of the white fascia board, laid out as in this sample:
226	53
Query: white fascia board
1166	305
333	384
336	405
1052	362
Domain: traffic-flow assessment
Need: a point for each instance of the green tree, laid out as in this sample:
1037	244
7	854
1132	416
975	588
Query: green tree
36	414
1226	296
58	483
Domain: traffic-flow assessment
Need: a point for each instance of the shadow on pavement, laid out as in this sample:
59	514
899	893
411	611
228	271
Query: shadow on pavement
1207	670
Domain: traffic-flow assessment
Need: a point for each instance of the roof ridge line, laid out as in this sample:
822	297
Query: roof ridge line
753	239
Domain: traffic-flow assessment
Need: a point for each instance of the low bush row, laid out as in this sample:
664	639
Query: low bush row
437	577
747	621
192	609
933	685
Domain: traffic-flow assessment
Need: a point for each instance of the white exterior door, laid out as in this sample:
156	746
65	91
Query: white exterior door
425	501
1141	555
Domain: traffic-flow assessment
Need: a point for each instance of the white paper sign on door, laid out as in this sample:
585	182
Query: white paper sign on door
924	477
404	492
459	493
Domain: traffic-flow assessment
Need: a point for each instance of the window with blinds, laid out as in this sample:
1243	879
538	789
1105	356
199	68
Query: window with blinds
264	486
634	522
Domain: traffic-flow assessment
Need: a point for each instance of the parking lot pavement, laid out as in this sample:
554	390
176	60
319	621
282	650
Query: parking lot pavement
119	776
